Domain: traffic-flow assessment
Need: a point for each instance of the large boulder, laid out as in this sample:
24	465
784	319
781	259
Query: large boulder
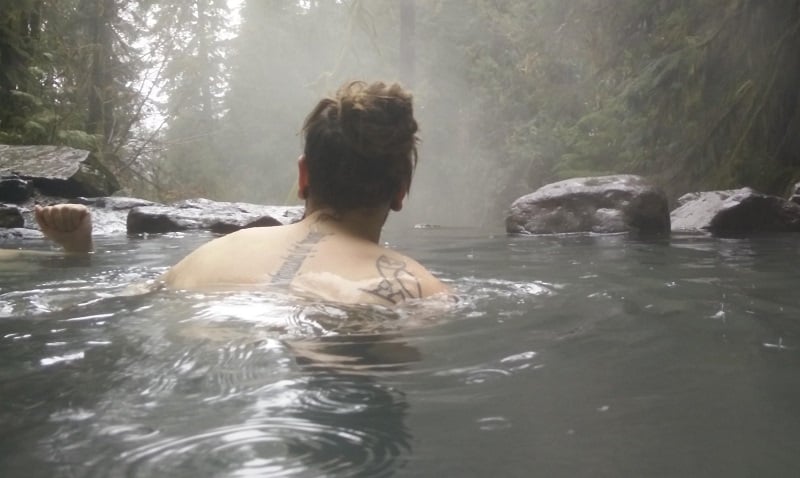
606	204
735	212
220	217
57	171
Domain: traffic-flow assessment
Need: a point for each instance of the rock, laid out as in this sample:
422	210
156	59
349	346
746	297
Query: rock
119	215
10	216
221	217
427	226
16	190
226	228
58	170
19	233
606	204
17	223
115	203
110	214
735	212
795	198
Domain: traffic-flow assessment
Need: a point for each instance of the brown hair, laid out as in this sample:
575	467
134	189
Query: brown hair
361	145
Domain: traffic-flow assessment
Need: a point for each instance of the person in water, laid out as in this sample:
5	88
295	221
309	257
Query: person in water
358	161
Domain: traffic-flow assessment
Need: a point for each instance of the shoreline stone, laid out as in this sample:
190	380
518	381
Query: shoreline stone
126	215
603	204
57	171
735	212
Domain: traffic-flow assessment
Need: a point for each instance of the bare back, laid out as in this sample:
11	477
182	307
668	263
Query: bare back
311	257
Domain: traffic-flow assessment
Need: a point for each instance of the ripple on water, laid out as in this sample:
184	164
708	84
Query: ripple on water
223	386
276	447
332	394
332	425
493	371
491	424
482	288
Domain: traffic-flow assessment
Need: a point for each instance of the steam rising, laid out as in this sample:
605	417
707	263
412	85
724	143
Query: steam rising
509	95
286	57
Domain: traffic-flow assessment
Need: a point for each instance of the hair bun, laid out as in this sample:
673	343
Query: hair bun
376	119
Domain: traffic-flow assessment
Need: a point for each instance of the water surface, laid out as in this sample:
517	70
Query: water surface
566	356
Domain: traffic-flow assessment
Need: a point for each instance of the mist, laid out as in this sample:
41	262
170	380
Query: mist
206	98
287	57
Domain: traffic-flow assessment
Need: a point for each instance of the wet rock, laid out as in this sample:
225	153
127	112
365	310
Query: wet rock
19	233
226	228
17	223
119	215
427	226
11	216
15	190
735	212
115	203
110	214
606	204
58	170
795	198
221	217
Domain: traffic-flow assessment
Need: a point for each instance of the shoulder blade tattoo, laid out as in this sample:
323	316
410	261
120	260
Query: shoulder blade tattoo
397	283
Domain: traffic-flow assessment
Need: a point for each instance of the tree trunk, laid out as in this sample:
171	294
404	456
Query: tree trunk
407	37
206	97
100	117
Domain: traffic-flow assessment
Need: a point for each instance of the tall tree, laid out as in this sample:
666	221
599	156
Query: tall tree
67	72
273	68
20	28
698	94
100	16
408	19
192	35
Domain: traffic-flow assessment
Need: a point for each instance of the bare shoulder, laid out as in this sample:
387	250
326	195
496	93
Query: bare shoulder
400	278
234	256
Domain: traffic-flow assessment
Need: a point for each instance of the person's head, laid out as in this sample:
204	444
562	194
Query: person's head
360	147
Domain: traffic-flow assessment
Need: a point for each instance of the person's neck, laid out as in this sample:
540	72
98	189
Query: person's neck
363	223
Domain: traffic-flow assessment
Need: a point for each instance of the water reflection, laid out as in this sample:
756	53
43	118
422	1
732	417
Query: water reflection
190	389
321	417
360	427
355	353
562	353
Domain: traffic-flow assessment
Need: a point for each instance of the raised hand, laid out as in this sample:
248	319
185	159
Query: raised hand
69	225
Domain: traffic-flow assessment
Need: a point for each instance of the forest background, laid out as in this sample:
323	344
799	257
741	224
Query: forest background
205	98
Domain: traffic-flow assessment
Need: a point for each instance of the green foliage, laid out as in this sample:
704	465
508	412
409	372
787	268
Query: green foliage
510	94
194	80
705	100
67	70
77	139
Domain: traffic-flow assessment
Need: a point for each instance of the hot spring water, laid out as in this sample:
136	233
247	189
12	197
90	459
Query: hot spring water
567	356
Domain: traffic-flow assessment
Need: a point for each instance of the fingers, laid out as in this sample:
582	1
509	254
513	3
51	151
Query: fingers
61	217
39	215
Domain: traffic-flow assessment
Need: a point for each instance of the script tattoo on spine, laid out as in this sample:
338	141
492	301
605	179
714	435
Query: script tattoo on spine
294	260
397	283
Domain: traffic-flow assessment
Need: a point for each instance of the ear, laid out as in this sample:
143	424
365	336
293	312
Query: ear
397	200
302	177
